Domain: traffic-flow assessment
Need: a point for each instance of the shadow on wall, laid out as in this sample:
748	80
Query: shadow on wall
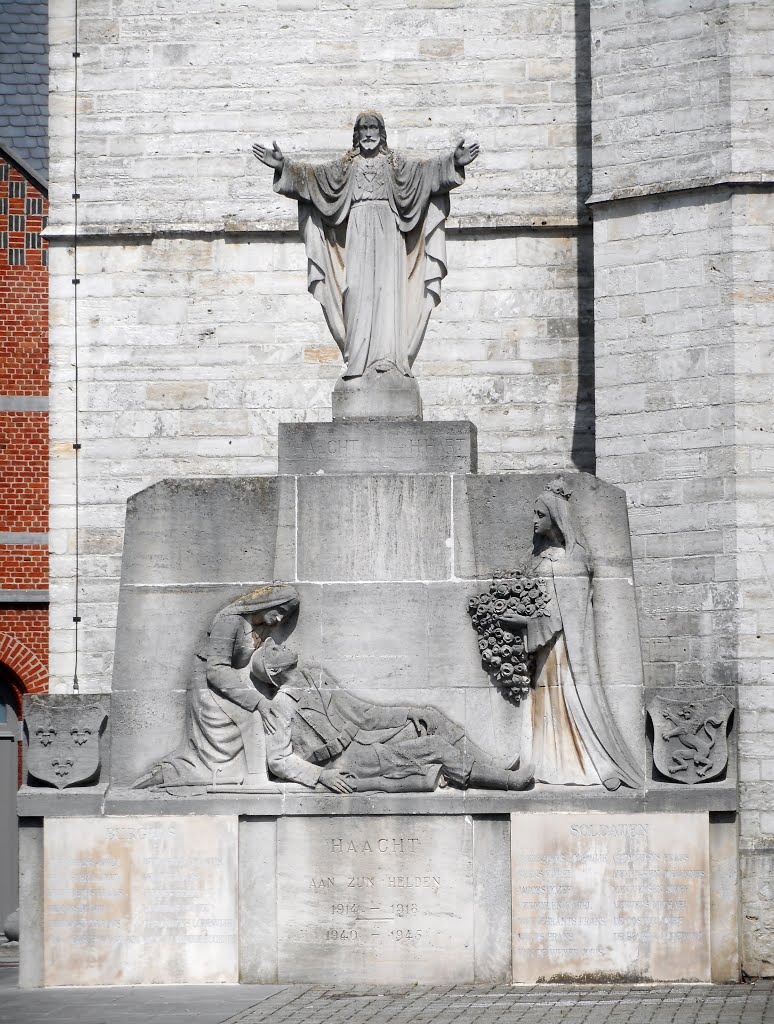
584	440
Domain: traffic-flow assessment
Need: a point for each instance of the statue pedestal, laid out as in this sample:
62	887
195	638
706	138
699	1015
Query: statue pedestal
386	394
377	446
302	887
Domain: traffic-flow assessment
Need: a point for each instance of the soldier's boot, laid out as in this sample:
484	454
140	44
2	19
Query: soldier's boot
487	776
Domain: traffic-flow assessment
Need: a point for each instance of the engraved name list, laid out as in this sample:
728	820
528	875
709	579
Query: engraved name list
622	897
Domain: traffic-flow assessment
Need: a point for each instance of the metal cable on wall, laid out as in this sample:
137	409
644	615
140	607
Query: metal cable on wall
76	282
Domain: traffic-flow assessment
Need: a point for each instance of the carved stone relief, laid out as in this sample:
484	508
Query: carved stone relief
537	638
325	735
504	653
62	739
690	737
253	706
224	741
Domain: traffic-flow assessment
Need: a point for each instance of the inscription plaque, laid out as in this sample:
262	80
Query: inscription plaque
136	901
615	897
375	899
377	446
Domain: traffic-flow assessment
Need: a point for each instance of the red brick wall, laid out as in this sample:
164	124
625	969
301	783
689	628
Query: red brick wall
23	473
23	292
23	432
24	646
23	566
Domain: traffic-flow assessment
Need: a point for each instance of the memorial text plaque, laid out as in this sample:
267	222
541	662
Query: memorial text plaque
389	899
617	897
135	901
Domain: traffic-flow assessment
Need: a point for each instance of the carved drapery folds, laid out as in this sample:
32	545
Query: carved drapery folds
317	732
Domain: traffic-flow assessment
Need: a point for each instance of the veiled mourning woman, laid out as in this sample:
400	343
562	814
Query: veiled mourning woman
575	740
221	719
373	225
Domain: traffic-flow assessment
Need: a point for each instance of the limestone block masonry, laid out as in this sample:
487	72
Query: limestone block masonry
454	883
385	565
196	334
138	901
377	895
396	894
627	897
638	348
683	214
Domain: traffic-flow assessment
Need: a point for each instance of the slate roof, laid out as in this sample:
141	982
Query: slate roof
24	80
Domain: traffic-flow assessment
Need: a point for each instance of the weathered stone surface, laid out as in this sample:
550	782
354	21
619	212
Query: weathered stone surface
138	901
724	897
377	446
186	375
159	630
389	395
145	726
224	741
257	901
354	629
286	548
31	903
492	915
705	140
493	521
201	531
351	629
682	366
617	630
314	116
196	371
78	802
547	587
367	528
378	274
65	739
375	900
756	873
610	897
347	743
297	801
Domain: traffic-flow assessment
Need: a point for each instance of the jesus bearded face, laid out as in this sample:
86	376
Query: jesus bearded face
370	135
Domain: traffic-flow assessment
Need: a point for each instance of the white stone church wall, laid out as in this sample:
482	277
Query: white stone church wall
684	364
195	332
171	97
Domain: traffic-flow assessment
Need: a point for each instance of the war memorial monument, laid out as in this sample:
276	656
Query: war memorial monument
396	693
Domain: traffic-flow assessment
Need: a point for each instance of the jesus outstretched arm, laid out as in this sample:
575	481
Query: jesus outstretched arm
373	226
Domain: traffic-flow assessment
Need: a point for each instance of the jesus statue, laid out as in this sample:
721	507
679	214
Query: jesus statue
373	223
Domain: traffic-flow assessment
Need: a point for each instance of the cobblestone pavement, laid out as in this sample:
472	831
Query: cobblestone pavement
462	1004
673	1004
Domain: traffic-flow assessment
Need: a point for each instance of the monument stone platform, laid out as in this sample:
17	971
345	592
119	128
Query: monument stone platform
391	551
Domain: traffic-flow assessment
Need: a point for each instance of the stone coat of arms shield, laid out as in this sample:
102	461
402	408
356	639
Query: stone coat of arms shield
63	742
690	737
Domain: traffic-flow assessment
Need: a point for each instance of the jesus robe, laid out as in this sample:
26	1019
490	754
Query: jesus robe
374	232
